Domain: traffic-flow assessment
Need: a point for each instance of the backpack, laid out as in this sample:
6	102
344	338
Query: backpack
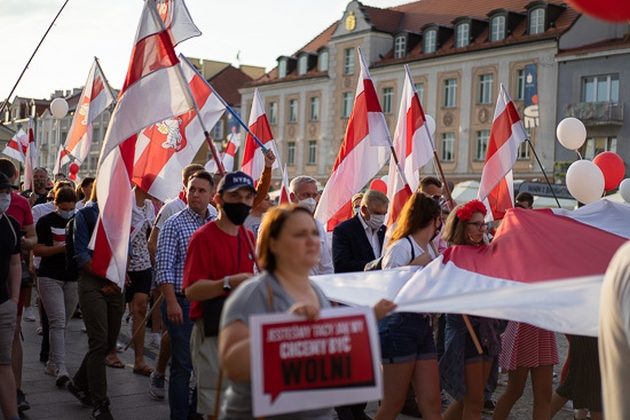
377	264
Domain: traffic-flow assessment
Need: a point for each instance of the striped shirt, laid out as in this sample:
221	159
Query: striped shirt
173	246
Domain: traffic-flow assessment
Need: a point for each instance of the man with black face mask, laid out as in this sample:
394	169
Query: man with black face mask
219	259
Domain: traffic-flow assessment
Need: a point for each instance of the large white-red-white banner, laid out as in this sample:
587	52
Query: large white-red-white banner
300	365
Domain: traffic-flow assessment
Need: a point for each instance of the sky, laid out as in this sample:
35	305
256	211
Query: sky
261	30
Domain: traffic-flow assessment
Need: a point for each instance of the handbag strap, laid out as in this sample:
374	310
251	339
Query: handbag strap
413	251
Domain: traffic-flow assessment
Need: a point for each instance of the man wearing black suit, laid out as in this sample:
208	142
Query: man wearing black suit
356	242
359	240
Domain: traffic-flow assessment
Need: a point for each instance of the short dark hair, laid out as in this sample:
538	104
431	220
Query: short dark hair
429	180
527	197
203	175
7	167
65	195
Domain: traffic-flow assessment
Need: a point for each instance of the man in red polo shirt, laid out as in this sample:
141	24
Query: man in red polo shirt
219	259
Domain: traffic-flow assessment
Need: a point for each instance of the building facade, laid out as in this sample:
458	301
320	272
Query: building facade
458	54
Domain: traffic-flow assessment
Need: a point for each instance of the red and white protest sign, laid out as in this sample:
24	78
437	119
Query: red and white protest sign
300	365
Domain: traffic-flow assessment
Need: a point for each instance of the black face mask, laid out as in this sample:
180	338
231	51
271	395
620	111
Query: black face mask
236	212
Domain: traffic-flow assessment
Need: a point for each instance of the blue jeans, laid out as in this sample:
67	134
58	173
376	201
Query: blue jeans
181	363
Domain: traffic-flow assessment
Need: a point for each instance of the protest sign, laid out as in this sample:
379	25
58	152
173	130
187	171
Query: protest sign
300	365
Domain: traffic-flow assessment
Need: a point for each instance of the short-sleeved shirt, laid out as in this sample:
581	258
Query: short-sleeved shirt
51	231
20	210
400	254
214	254
141	219
251	298
9	246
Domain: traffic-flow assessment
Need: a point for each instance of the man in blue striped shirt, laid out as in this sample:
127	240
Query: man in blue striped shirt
171	257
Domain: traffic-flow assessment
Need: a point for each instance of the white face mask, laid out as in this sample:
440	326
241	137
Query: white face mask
309	204
376	221
5	202
357	210
66	214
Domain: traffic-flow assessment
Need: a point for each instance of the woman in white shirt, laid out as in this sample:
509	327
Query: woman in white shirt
407	346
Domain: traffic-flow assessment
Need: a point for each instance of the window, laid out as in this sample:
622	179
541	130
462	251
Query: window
291	153
217	130
273	112
497	28
482	144
523	151
314	113
463	35
430	41
537	21
450	93
603	88
347	102
520	84
400	46
303	65
388	94
420	89
485	88
322	63
312	152
282	68
293	111
348	61
448	147
597	145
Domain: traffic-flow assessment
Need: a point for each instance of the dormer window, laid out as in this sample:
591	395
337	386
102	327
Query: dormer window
303	65
537	21
322	61
430	41
462	35
400	46
282	68
497	28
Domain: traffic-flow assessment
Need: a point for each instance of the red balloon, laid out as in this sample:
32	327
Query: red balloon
378	185
612	167
73	168
610	10
73	177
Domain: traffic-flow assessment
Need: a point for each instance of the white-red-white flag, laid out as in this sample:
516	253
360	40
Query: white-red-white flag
60	159
363	152
163	149
253	158
284	188
17	145
413	147
228	155
154	90
95	98
30	157
506	135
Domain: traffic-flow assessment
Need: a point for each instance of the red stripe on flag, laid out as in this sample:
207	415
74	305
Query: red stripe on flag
101	259
149	54
262	130
502	129
97	86
344	213
230	149
415	120
80	128
499	199
400	198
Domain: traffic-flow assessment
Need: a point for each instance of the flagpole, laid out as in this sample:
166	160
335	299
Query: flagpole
531	146
32	56
227	107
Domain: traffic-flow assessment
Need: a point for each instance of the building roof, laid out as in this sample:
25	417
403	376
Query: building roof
412	17
228	81
605	45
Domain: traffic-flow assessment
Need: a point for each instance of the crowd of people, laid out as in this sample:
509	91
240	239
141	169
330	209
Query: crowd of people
221	251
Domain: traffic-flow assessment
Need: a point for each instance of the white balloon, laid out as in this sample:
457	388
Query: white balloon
59	108
430	124
624	190
385	178
585	181
571	133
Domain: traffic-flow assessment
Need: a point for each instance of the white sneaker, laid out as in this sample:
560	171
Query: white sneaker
155	340
50	369
156	386
29	314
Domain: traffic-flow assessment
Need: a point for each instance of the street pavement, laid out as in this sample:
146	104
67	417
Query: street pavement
129	392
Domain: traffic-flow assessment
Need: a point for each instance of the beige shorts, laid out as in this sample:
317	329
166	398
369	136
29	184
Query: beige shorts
8	316
205	361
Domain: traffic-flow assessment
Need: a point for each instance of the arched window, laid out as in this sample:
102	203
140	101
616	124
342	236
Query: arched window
537	21
463	35
400	46
430	41
497	28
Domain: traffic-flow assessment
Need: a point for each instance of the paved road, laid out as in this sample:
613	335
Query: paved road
129	392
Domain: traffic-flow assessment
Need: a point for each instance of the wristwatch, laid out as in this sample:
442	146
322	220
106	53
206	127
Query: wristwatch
226	284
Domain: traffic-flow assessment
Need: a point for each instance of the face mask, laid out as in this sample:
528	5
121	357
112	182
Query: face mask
376	221
66	214
5	202
356	210
309	204
236	212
